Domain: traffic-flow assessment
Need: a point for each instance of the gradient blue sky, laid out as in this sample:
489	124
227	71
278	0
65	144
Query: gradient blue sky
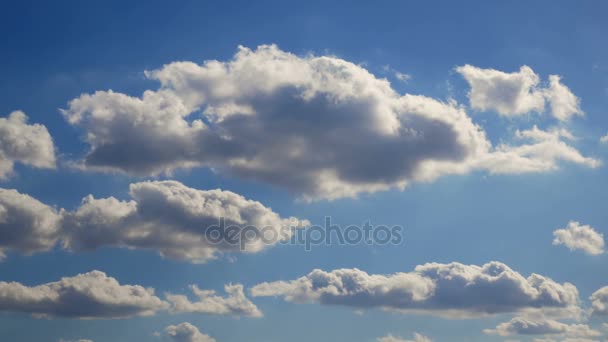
54	51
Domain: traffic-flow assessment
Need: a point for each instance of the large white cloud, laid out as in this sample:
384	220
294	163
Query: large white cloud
186	332
165	216
517	93
527	326
320	126
23	143
88	295
580	237
208	302
452	290
26	224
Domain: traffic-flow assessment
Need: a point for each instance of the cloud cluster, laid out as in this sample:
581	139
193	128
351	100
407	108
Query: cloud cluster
517	93
319	126
580	237
234	304
165	216
186	332
88	295
451	290
526	326
23	143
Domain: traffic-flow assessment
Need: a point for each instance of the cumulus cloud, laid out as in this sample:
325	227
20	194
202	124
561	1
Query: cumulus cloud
26	224
506	93
23	143
186	332
451	290
517	93
88	295
580	237
599	302
540	151
564	104
176	220
320	126
165	216
208	302
417	338
526	326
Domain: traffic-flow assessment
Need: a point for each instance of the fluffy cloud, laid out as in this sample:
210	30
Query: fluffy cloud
541	151
525	326
26	224
517	93
580	237
23	143
417	338
88	295
234	304
319	126
452	290
186	332
599	302
507	93
176	221
166	216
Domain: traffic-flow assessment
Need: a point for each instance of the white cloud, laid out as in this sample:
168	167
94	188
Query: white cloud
177	221
26	224
319	126
517	93
542	151
186	332
165	216
599	302
23	143
508	94
417	338
564	104
88	295
452	290
580	237
234	304
526	326
604	139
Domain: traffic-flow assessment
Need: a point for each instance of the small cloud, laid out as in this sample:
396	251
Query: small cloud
580	237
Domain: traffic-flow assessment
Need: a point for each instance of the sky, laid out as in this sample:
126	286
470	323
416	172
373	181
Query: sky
472	134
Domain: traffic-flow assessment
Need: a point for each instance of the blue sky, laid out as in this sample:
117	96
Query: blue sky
55	52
